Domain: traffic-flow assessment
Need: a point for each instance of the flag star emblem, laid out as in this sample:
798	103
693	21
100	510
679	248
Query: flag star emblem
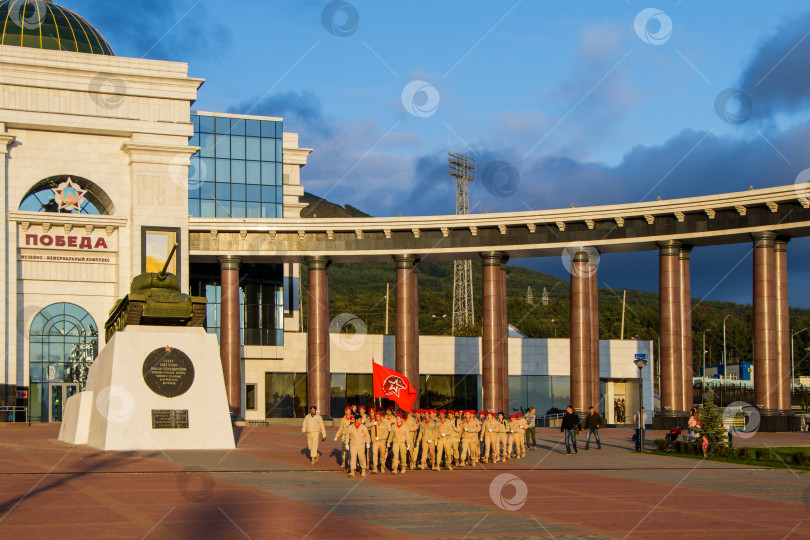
393	385
167	348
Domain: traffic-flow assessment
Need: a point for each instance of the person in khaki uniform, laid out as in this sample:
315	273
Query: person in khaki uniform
378	432
489	434
398	442
358	439
478	448
347	420
313	430
444	432
512	428
502	431
455	438
521	439
470	428
427	439
413	426
388	420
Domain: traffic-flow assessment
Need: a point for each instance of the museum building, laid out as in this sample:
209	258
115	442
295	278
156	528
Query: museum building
107	167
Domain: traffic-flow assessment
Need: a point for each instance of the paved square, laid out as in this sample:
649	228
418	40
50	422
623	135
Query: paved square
266	488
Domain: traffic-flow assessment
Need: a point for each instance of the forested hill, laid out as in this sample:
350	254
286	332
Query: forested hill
359	289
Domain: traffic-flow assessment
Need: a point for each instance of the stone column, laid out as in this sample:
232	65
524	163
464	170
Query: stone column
414	376
404	331
491	328
318	368
593	288
782	375
581	374
686	331
669	317
765	341
230	347
504	340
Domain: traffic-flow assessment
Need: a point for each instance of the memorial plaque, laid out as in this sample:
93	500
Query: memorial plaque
168	372
169	419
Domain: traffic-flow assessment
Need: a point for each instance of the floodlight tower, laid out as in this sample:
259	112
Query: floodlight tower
462	168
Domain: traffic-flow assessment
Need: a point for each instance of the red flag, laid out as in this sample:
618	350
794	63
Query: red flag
394	386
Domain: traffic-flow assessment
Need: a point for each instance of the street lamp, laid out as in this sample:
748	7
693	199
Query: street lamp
640	363
703	392
792	362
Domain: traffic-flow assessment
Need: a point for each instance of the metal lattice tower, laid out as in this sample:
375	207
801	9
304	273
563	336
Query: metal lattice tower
462	168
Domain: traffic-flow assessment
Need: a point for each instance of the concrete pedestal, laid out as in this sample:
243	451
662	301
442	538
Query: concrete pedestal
778	422
668	421
120	411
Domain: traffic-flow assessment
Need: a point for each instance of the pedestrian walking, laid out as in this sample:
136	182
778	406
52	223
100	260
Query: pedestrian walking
592	424
570	425
639	421
359	441
313	430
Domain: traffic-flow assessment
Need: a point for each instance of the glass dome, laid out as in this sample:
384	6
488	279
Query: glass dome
41	24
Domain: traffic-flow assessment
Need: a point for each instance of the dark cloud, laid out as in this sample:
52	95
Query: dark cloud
302	112
777	78
179	30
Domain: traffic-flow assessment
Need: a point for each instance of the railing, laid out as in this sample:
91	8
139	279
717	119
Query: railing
8	413
549	420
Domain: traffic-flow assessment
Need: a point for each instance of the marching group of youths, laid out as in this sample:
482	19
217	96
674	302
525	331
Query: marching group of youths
424	438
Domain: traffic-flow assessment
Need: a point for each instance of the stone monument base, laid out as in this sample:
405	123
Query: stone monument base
153	388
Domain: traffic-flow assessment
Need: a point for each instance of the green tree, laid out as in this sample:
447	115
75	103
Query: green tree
711	423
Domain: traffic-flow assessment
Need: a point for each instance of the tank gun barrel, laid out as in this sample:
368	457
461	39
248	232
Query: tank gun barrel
162	273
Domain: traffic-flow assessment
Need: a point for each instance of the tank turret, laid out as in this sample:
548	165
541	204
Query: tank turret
155	299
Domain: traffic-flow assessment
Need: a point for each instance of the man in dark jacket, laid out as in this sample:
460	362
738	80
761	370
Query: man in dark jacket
570	426
592	424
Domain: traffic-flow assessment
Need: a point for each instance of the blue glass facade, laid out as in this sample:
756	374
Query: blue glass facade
238	172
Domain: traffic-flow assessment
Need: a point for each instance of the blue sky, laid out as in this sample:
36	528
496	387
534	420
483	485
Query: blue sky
587	103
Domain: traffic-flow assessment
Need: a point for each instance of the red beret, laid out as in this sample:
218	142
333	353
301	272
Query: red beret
518	415
512	416
399	415
443	411
347	409
362	406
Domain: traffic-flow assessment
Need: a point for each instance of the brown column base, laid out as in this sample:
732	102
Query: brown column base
670	419
773	421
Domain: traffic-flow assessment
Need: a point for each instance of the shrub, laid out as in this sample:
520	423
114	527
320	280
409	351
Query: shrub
743	453
662	445
798	458
761	454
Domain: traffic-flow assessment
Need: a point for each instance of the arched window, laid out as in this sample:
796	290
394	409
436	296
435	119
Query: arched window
67	195
63	343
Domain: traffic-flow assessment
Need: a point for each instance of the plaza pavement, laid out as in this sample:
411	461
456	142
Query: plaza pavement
266	488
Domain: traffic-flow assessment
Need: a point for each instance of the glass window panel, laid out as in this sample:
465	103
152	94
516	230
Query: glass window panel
223	209
223	191
238	209
279	130
254	210
223	143
337	394
195	121
223	125
207	169
238	147
269	210
279	174
253	194
36	372
253	172
268	194
237	192
194	168
279	150
279	195
253	128
300	399
439	391
268	128
194	140
517	394
206	124
268	174
237	126
561	392
223	170
207	208
250	397
238	172
268	149
538	393
207	190
253	148
207	145
278	395
194	207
